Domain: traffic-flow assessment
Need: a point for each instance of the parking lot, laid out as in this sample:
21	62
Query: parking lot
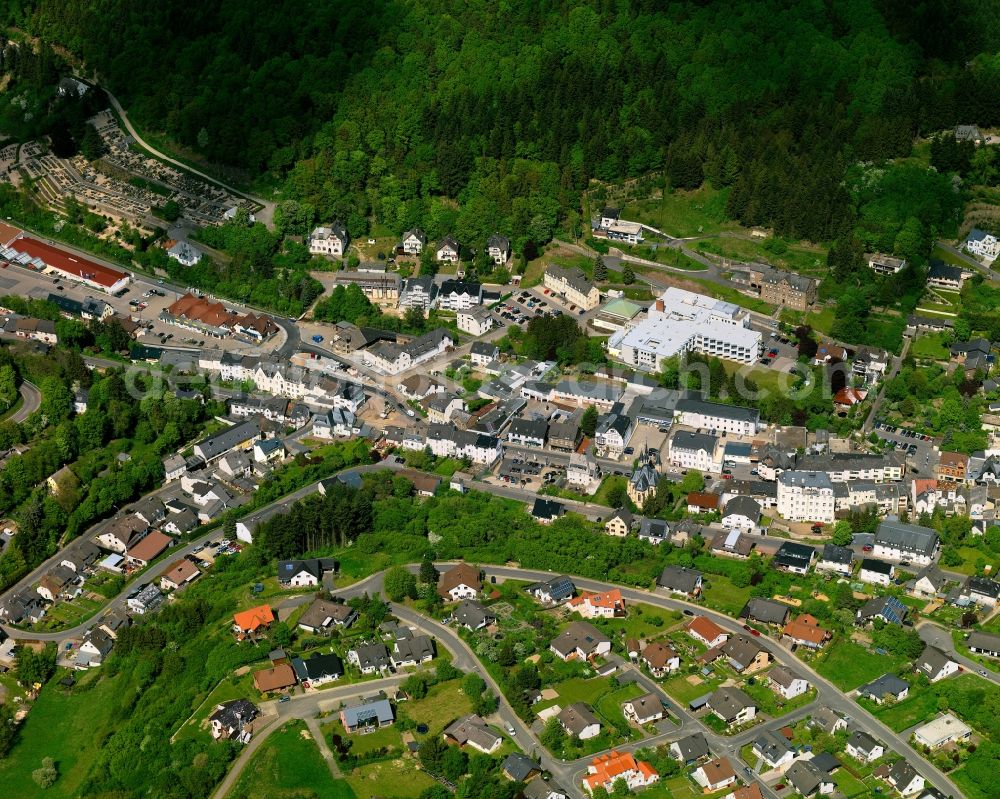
19	280
524	305
920	450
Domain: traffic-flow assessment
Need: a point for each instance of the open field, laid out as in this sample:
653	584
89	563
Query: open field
289	765
684	213
931	346
805	259
443	704
68	726
849	665
398	778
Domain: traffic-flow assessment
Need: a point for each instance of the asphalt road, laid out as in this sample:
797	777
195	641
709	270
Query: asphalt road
32	400
931	633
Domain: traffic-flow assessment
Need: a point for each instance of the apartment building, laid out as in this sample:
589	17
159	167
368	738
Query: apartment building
805	496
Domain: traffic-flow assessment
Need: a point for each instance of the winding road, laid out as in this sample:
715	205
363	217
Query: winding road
32	399
567	773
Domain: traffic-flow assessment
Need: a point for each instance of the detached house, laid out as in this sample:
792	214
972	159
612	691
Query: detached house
863	748
703	629
888	685
935	664
715	774
808	779
578	721
498	248
786	683
773	748
332	240
303	573
660	659
447	250
680	580
460	582
643	709
904	778
233	720
580	640
413	241
744	654
732	705
805	630
607	605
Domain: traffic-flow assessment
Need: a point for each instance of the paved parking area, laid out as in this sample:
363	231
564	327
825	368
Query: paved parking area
922	453
29	283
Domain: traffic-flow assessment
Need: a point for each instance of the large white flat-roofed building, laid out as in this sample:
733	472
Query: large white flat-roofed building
681	322
943	730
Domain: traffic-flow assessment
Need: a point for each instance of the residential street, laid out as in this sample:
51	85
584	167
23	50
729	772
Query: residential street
32	400
931	633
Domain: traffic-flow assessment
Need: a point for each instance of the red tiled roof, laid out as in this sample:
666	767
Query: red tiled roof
806	628
250	620
75	265
150	546
705	628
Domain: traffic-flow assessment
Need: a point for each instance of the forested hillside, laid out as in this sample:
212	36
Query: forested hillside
379	111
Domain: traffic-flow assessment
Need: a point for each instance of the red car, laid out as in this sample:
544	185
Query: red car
755	632
867	548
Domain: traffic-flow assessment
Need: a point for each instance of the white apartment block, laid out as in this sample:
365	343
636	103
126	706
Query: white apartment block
681	322
983	244
695	451
475	321
805	497
703	415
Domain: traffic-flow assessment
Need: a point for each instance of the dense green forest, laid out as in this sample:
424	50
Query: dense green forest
387	112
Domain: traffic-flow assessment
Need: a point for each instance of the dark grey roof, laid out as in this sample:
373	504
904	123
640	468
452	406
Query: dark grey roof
372	656
559	588
679	578
577	717
886	607
983	586
765	610
287	569
741	650
863	741
730	702
519	767
886	684
941	271
547	509
693	747
225	440
772	745
579	635
901	774
688	440
496	240
876	566
484	348
318	667
528	428
826	762
472	614
691	405
379	710
835	554
742	506
805	777
906	537
988	642
931	661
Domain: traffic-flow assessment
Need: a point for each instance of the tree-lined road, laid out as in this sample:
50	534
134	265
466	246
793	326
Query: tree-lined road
32	400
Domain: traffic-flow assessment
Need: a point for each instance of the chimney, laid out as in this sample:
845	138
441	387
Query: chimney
659	306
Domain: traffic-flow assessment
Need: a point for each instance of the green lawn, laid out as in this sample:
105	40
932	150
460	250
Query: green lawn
792	256
642	621
679	787
721	594
849	665
577	689
609	706
950	258
919	706
389	737
683	691
68	726
684	213
397	778
971	788
849	785
930	346
443	704
962	647
289	765
821	319
970	555
771	703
